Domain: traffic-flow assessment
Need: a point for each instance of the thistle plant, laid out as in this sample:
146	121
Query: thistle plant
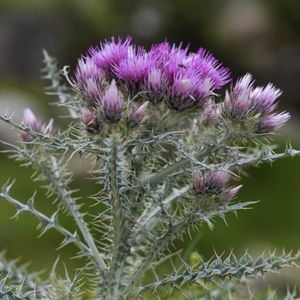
166	152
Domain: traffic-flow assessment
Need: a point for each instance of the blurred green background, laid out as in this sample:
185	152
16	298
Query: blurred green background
260	37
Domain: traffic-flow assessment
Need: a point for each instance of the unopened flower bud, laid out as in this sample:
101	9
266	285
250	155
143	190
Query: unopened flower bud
90	121
31	121
112	103
218	180
138	114
198	183
92	90
231	193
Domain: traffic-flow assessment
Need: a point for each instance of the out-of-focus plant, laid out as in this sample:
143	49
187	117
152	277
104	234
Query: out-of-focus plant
165	150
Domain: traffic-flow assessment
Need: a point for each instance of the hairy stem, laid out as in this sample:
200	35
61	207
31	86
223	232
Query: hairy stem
120	215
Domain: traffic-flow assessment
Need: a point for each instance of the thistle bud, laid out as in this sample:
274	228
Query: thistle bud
138	114
92	90
231	193
218	180
198	183
112	103
31	121
90	121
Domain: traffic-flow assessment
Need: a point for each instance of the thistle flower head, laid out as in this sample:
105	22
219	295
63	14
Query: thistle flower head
154	80
273	122
110	53
188	90
243	87
134	69
89	78
209	67
85	70
155	85
112	102
263	98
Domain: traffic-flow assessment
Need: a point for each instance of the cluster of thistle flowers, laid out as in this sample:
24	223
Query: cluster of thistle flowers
118	70
214	185
244	103
165	73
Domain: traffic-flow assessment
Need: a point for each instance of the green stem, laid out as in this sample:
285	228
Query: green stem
119	219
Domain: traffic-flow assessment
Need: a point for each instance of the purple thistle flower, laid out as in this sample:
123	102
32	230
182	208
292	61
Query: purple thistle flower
242	88
110	53
263	98
85	70
160	53
273	122
138	114
134	69
218	180
155	85
209	67
188	90
175	63
112	103
90	121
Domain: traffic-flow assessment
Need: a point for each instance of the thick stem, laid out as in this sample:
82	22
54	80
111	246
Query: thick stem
120	218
